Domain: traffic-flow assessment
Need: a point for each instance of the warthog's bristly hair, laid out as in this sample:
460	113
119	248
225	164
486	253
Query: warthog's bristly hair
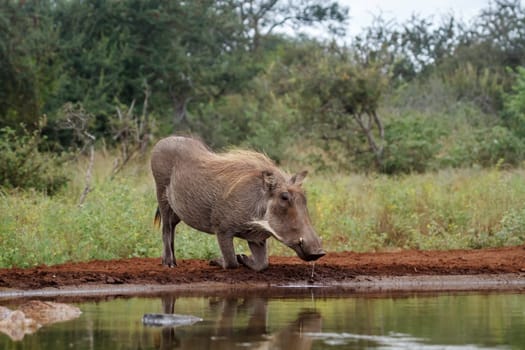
238	166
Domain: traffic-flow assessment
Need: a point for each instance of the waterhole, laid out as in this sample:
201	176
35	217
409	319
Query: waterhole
311	319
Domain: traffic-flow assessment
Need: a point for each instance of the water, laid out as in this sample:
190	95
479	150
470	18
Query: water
310	321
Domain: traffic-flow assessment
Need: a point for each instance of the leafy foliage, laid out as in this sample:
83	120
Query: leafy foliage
28	51
412	144
498	144
338	99
23	165
514	110
225	71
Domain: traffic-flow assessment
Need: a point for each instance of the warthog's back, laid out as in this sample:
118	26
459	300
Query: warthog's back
205	188
172	150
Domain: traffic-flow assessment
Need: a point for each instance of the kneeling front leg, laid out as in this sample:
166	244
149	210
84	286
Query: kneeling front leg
259	259
228	260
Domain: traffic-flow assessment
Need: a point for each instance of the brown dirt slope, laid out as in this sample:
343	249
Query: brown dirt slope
333	268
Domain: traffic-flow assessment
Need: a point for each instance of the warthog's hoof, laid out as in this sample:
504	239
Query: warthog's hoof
250	263
220	263
215	262
244	260
169	264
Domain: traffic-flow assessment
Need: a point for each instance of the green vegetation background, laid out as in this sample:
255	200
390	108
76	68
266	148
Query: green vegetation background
415	132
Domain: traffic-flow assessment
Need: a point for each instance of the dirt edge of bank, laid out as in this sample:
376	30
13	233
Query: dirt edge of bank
360	285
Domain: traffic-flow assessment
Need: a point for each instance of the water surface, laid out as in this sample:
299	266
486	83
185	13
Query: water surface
416	321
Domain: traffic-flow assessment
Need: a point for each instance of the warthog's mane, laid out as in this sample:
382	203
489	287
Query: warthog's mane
236	167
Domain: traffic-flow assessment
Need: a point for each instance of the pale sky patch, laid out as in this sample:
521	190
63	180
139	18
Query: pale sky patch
362	13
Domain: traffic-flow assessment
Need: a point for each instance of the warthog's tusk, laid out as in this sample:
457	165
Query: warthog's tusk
264	224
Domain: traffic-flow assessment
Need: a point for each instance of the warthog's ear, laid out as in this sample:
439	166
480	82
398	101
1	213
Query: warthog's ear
298	178
269	180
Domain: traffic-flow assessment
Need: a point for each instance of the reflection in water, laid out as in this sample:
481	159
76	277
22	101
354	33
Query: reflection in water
168	340
455	321
239	321
32	315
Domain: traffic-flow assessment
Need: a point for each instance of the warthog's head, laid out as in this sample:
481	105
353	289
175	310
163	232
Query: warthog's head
287	217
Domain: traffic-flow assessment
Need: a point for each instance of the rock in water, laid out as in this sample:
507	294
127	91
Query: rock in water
46	312
169	320
32	315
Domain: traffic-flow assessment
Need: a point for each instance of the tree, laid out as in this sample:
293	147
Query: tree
339	100
187	54
408	49
261	17
28	57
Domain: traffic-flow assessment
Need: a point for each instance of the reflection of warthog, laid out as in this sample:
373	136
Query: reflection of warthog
256	331
235	194
225	332
292	337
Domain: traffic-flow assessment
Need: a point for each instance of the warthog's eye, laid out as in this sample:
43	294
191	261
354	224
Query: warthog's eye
285	196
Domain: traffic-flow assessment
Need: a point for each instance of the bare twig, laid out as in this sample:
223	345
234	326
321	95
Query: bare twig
132	133
89	172
75	118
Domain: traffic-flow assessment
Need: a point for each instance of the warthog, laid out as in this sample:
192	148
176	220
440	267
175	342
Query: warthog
234	194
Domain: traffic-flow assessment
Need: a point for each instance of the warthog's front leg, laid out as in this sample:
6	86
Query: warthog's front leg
228	260
259	259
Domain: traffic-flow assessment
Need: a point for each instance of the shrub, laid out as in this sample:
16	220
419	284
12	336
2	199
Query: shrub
23	165
498	144
411	145
514	107
512	231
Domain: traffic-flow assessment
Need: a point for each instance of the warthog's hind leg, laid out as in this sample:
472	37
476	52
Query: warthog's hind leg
169	221
259	259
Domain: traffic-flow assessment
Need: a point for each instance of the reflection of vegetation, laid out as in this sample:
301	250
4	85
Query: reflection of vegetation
482	320
449	209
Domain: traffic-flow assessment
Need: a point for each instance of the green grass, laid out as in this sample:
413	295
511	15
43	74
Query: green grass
470	208
444	210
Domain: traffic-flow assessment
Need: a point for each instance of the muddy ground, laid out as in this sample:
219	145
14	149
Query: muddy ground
502	265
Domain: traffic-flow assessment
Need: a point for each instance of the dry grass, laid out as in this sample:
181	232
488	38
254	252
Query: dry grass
469	208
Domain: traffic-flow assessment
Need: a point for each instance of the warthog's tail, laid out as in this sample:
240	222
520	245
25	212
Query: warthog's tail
156	221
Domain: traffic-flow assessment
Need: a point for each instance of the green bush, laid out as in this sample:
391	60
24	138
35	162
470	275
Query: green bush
498	144
23	165
458	151
514	107
411	145
259	121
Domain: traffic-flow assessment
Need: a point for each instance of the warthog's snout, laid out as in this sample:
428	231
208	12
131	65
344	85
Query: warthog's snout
313	257
307	253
